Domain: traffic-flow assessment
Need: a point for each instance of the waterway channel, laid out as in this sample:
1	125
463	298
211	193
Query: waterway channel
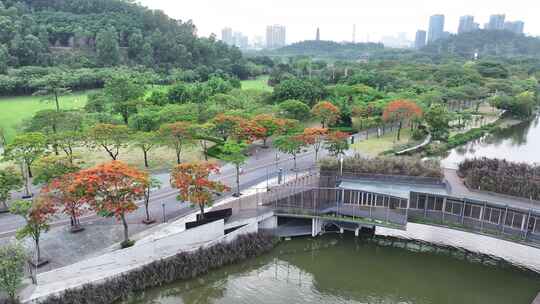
344	269
520	143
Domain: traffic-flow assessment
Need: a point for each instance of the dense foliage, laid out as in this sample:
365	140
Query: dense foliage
328	49
486	43
501	176
89	34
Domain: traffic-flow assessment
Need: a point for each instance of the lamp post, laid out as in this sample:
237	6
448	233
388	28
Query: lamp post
341	165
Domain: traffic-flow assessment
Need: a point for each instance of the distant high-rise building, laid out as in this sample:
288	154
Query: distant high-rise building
275	36
436	28
354	33
515	26
318	35
466	24
240	40
496	22
420	40
227	36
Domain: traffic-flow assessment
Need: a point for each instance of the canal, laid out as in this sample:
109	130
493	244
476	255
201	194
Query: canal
344	269
520	143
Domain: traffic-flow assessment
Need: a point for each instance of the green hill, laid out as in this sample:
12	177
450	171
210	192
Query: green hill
486	43
97	33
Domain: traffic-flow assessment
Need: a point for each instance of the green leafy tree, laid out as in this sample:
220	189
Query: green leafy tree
152	184
12	263
125	95
290	144
51	87
438	120
51	167
107	48
25	149
307	91
294	109
4	59
146	141
10	180
68	141
234	152
109	137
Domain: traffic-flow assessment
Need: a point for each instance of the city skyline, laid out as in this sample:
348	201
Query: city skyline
336	19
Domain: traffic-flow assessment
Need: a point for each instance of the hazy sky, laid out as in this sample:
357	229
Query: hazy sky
373	18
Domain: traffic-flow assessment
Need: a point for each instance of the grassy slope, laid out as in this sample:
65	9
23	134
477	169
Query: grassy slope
261	83
374	146
13	110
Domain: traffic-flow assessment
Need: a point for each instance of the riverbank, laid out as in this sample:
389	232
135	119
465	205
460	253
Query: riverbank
336	268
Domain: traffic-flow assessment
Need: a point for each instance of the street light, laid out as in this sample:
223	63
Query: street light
341	165
163	210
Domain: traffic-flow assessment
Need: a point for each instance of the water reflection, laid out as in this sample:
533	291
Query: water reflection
520	143
351	271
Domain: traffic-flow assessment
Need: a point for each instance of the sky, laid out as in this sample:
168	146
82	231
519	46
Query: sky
335	18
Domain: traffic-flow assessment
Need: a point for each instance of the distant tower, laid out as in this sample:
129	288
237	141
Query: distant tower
318	35
354	33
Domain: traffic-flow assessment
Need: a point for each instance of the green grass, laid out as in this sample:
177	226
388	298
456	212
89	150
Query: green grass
375	146
13	110
261	83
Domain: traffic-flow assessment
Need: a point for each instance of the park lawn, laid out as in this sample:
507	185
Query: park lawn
375	146
13	110
261	83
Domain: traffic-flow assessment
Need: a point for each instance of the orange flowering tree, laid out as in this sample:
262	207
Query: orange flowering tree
326	112
401	110
68	195
225	125
193	182
272	125
114	188
337	142
37	214
315	137
248	130
177	135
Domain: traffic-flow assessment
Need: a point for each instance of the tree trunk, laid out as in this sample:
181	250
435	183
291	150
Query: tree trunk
178	157
316	154
145	158
30	175
146	203
38	250
399	130
294	157
238	180
56	101
126	232
201	207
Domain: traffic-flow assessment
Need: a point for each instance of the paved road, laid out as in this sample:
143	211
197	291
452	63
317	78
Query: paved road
262	165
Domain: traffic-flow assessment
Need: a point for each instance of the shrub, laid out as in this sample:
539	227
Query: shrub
406	166
501	176
182	266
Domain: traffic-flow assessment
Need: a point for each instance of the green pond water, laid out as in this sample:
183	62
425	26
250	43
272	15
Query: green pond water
344	269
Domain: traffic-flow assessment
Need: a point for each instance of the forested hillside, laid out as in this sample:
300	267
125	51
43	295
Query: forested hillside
486	43
93	34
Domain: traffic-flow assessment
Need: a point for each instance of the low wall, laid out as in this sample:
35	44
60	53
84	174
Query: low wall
514	253
118	264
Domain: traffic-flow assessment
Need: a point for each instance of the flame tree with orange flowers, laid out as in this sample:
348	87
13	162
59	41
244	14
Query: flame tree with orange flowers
400	111
64	192
315	137
193	182
114	188
326	112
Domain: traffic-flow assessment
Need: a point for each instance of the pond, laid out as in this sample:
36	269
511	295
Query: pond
520	143
344	269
